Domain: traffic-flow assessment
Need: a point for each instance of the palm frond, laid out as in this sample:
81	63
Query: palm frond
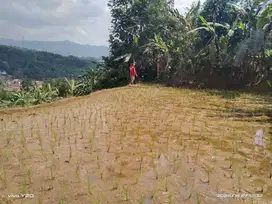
264	17
122	57
197	29
237	8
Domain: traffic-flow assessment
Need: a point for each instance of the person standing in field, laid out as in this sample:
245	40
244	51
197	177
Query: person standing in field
132	73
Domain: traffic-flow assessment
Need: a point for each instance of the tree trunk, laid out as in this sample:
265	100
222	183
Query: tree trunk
215	35
163	61
158	65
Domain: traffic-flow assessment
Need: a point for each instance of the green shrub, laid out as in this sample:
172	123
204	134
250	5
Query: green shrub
28	85
43	95
83	90
59	84
3	94
4	97
19	99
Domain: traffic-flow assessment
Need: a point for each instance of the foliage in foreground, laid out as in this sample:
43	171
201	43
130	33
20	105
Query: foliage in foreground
53	89
24	98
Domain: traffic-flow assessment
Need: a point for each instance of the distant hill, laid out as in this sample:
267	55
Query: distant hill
64	48
39	65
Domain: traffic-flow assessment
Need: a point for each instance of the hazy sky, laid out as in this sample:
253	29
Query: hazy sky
81	21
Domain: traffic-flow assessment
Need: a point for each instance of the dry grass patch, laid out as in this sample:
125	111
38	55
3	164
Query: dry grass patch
128	145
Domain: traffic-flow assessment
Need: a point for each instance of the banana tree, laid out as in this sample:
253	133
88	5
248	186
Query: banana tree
211	28
88	81
191	17
21	99
256	23
72	86
45	94
40	96
52	93
126	57
269	83
208	26
160	49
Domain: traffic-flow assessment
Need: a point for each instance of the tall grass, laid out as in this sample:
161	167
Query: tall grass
52	146
89	186
52	176
125	193
170	198
78	171
4	177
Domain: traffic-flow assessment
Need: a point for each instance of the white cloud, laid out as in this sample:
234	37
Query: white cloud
183	5
81	21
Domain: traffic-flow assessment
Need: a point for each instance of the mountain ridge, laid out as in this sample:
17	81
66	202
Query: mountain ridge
65	48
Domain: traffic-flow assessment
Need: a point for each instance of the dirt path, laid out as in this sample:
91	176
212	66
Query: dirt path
131	145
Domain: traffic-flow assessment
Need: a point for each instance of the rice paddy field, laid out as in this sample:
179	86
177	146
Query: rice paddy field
142	144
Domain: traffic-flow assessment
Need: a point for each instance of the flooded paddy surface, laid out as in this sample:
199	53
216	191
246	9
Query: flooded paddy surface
143	144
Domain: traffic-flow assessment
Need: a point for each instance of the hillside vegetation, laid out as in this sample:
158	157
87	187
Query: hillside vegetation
144	144
23	63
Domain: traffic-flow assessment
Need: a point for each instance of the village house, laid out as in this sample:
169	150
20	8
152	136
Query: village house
16	84
3	73
39	84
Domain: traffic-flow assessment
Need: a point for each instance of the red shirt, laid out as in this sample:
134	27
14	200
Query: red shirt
132	70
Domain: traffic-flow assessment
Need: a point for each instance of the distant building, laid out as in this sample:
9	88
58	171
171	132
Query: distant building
39	84
16	81
3	73
16	84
